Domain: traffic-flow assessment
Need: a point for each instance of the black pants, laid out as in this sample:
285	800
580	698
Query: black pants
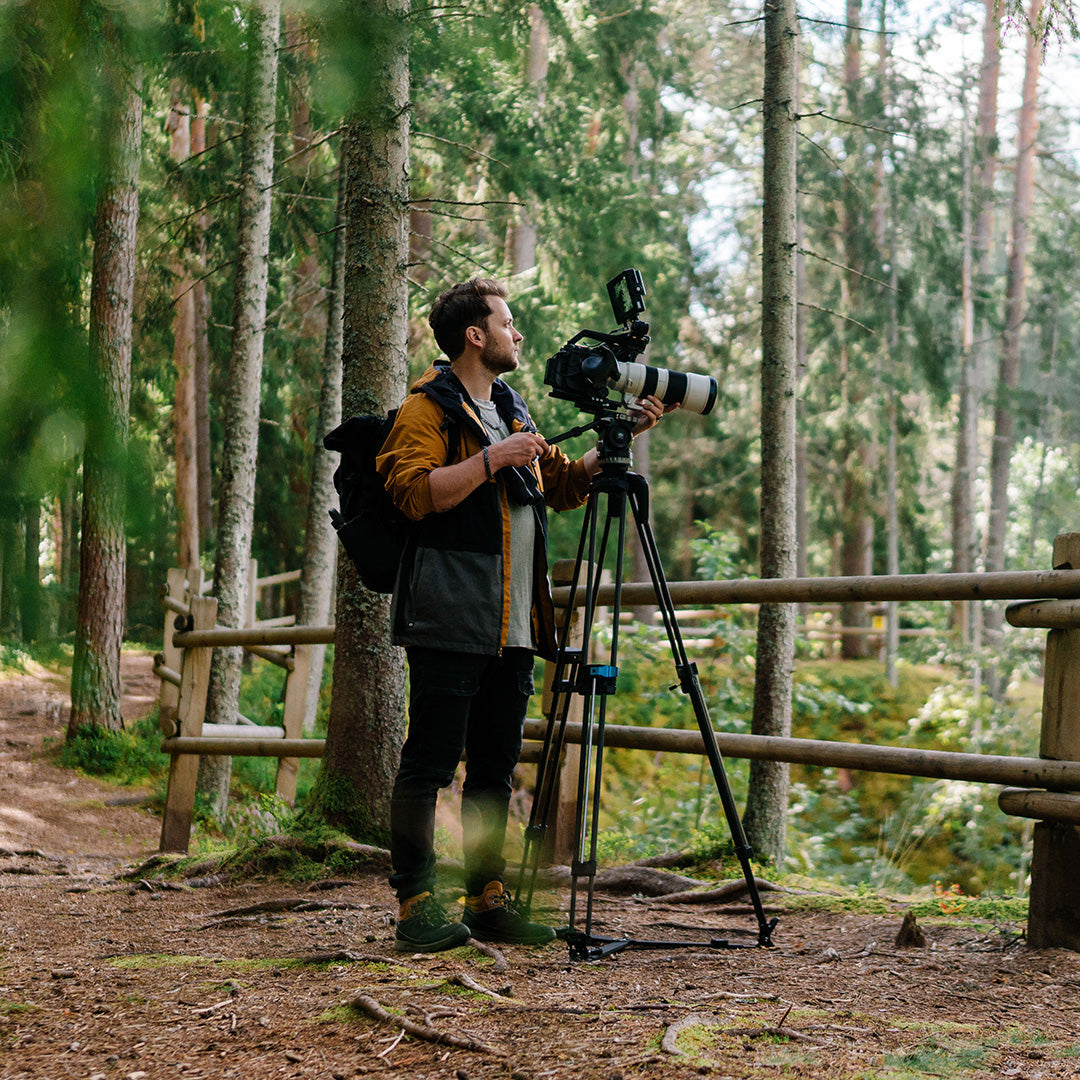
458	702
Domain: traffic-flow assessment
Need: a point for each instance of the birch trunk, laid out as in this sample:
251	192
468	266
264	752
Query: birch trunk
178	125
1015	306
983	171
320	545
241	415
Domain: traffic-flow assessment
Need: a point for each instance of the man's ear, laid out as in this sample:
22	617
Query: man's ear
474	335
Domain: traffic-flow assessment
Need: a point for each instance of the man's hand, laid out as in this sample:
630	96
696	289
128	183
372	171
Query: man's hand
651	408
521	448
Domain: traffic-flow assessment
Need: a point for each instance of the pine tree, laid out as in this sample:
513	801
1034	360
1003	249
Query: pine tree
766	807
95	677
367	705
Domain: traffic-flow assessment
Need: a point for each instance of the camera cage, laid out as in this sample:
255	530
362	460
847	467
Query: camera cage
580	372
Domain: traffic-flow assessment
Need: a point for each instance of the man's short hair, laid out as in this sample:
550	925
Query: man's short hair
459	307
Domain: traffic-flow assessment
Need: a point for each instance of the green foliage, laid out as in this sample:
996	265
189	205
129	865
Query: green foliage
131	756
889	833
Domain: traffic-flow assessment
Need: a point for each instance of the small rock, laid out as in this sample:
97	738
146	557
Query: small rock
293	1056
62	973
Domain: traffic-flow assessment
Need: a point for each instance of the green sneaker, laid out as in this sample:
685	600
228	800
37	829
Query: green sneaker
422	926
493	916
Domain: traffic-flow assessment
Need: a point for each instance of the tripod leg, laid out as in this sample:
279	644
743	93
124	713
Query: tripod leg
564	678
691	685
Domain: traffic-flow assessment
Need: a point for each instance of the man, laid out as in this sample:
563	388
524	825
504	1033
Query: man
472	604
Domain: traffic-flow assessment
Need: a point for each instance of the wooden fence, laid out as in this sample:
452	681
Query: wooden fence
1046	788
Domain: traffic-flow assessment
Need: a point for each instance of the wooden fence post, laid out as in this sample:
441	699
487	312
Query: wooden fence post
295	699
184	768
1054	907
171	656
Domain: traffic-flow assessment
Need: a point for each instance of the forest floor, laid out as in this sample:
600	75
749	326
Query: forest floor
108	970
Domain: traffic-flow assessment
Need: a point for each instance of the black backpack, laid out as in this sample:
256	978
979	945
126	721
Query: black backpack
371	528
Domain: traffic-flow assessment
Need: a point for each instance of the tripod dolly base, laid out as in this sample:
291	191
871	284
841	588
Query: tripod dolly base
593	947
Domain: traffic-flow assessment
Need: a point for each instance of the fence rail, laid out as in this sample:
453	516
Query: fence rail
1045	788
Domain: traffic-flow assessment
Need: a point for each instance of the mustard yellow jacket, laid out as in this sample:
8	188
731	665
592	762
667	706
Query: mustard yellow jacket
453	586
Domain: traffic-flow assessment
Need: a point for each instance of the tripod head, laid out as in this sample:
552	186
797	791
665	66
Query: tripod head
615	432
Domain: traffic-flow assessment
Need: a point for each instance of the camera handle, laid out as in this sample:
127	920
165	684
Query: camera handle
574	674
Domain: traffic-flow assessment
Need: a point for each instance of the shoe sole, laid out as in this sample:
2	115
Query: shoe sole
452	941
508	939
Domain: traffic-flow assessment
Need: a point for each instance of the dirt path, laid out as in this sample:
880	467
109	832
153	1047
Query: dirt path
103	977
84	823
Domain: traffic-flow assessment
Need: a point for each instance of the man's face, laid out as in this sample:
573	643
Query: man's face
500	349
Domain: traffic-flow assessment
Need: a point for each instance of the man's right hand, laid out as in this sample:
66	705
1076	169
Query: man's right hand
521	448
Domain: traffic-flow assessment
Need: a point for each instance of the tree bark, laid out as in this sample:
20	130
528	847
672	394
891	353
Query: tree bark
99	632
320	545
367	706
857	523
178	126
1015	306
766	805
983	170
202	344
241	415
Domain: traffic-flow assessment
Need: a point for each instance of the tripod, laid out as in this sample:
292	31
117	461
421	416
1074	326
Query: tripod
594	683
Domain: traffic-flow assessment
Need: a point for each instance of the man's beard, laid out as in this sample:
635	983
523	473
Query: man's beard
499	361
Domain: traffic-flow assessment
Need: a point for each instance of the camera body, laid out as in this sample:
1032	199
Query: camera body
584	373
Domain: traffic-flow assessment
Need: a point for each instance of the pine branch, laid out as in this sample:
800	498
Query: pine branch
842	266
829	311
846	26
855	123
460	146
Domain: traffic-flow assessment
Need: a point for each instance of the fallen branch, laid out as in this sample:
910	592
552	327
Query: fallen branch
289	903
214	1008
461	979
421	1031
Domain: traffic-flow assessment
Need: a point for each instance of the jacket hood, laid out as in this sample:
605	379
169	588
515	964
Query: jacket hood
441	384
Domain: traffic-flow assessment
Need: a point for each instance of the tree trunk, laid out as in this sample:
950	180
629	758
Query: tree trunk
367	706
984	168
966	419
766	805
30	592
95	675
241	414
857	523
1015	305
202	345
521	237
320	545
178	126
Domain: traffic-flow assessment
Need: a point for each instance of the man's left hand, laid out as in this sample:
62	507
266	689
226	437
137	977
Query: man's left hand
651	408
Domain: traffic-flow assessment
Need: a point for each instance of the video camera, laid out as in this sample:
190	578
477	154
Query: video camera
584	373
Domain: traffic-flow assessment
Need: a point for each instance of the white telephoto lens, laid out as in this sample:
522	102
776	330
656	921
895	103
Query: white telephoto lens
696	393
